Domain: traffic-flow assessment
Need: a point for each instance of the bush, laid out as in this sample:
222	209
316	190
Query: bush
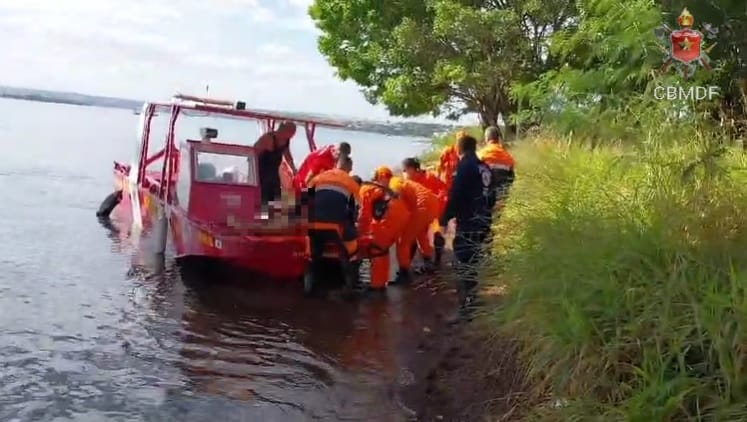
626	276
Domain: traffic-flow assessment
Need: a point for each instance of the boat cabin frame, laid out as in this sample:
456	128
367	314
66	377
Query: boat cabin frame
164	186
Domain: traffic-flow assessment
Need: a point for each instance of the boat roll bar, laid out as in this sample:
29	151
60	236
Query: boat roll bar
238	105
181	102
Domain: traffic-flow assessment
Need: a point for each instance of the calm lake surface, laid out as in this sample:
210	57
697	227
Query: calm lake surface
94	329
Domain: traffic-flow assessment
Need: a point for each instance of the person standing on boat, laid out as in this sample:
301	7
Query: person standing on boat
272	147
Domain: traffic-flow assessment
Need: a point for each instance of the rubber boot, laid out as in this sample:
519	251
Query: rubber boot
428	266
438	245
403	277
467	293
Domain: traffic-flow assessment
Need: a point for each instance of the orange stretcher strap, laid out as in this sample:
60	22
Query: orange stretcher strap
325	226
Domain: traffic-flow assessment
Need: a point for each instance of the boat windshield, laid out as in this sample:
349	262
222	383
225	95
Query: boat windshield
226	168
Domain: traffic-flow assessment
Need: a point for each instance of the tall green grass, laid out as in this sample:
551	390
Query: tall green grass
626	276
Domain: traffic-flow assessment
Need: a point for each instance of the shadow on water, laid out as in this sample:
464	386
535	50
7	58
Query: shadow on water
252	349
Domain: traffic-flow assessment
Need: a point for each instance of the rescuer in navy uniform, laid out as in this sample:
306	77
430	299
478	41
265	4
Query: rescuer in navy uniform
471	201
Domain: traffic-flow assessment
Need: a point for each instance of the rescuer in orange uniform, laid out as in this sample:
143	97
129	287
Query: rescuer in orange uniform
500	161
336	196
414	172
383	218
448	162
423	206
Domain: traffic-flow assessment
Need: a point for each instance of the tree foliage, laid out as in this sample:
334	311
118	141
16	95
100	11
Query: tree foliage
610	62
569	62
439	56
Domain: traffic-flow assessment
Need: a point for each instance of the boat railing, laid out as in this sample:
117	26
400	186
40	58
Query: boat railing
181	98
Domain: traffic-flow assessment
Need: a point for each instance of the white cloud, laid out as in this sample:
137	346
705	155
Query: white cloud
275	51
301	4
148	49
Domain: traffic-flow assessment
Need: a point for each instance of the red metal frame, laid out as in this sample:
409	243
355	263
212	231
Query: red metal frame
199	228
220	148
170	153
205	211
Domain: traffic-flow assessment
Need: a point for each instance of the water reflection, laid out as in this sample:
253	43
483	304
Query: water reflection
272	353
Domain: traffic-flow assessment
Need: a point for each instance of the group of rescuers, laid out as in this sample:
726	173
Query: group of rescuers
388	210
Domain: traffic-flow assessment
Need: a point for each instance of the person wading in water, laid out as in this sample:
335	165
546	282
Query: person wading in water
271	148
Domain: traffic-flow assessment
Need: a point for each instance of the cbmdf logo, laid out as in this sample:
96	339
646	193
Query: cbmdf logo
687	47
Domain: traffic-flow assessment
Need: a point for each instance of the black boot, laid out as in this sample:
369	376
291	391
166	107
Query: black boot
403	277
428	266
438	245
468	303
465	312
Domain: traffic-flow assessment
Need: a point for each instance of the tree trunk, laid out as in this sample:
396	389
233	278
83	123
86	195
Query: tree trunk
494	105
488	117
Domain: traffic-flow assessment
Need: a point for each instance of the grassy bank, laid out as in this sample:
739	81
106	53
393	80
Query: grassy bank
626	278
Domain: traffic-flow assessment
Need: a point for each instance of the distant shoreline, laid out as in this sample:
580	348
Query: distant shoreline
41	99
404	129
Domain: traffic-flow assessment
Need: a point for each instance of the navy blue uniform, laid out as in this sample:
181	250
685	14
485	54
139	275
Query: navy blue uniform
471	201
333	206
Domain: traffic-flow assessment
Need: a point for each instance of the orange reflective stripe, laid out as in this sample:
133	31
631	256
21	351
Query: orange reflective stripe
338	179
334	188
499	166
315	225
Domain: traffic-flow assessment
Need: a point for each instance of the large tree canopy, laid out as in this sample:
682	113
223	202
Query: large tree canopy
577	62
609	62
439	56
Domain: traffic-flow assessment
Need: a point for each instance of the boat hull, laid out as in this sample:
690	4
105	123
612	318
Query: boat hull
270	255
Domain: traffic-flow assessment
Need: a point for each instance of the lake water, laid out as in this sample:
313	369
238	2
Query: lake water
93	329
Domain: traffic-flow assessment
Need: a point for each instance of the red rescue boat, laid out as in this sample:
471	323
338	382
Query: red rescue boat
175	189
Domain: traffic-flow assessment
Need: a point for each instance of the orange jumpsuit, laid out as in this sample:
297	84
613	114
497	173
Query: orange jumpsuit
447	165
435	185
383	231
423	206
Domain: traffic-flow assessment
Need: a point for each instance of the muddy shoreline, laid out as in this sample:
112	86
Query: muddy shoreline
466	375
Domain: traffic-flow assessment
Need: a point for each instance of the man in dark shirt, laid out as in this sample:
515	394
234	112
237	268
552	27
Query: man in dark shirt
471	201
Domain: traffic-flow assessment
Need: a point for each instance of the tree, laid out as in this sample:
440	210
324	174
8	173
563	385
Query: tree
609	62
439	56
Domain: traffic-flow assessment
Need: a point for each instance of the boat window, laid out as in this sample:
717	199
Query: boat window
184	180
226	168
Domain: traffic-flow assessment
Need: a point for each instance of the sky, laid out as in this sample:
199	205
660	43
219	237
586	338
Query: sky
260	51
